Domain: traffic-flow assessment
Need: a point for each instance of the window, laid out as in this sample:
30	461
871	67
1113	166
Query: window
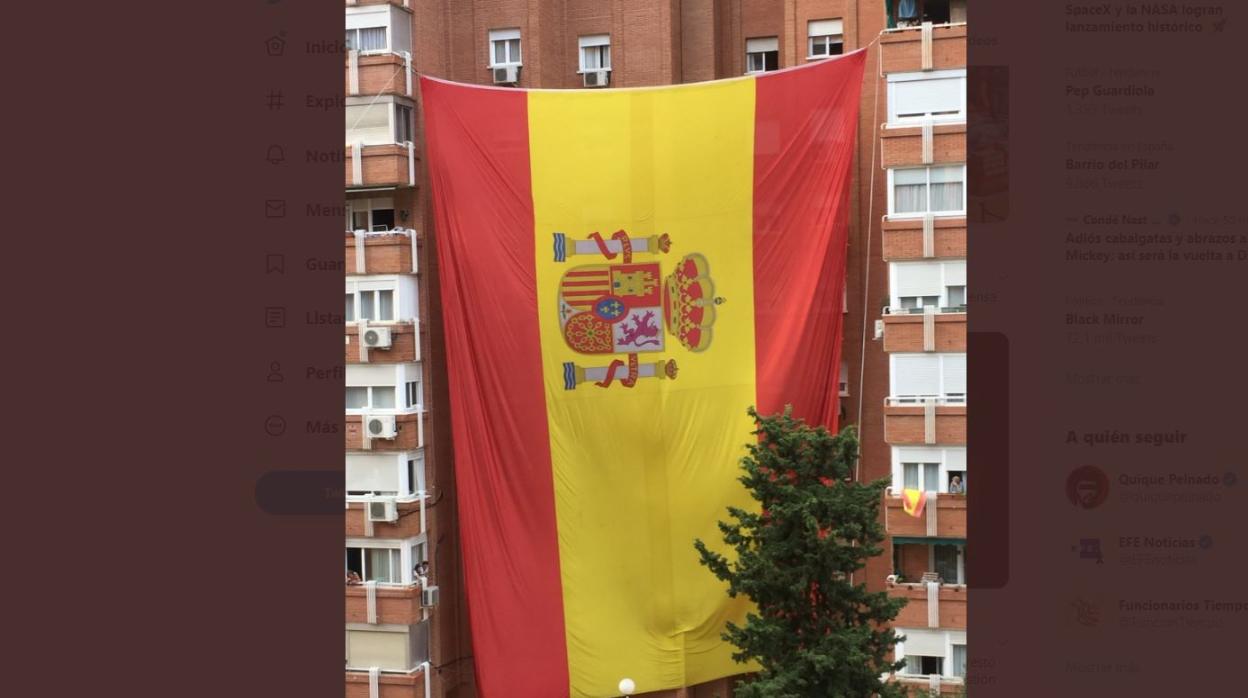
382	565
363	397
367	39
921	476
918	190
914	377
595	52
504	47
762	54
393	474
349	314
413	394
402	123
825	38
843	380
376	214
912	13
938	95
918	285
946	562
383	122
924	666
959	661
928	468
377	305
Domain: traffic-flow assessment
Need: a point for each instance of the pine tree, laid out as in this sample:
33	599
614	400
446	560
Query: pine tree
816	633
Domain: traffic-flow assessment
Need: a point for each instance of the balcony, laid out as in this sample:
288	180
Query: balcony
383	165
378	74
404	345
944	516
930	420
410	433
932	47
396	605
930	605
389	685
388	252
411	521
922	686
907	331
903	146
913	239
362	3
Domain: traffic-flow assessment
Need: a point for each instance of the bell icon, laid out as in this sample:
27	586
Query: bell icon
275	155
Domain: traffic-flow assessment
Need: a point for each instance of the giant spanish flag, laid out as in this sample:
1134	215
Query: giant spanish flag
623	273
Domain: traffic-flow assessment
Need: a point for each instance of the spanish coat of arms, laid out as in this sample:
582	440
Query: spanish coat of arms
626	307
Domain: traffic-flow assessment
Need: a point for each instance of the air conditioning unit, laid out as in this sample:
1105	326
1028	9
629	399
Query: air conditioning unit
429	597
596	78
506	75
376	337
381	426
383	510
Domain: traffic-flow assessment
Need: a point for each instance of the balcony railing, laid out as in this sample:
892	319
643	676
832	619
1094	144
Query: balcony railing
890	310
924	47
359	524
394	251
925	419
381	165
930	604
390	604
920	400
378	72
944	516
386	684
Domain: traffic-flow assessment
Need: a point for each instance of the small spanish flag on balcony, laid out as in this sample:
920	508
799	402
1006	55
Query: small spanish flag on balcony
623	272
913	501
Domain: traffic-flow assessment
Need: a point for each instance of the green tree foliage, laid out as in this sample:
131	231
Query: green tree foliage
817	631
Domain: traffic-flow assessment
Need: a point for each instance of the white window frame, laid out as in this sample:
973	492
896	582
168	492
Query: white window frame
892	212
941	455
947	273
762	46
397	376
951	638
374	51
818	25
408	552
896	79
597	42
371	390
411	484
405	297
367	206
942	391
392	105
505	37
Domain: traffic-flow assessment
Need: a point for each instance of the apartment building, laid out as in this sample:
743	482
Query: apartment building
903	376
922	151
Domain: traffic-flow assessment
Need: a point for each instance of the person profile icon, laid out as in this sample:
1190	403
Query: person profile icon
1087	487
275	373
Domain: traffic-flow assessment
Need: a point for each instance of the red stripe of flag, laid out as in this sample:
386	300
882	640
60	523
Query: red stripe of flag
804	134
506	509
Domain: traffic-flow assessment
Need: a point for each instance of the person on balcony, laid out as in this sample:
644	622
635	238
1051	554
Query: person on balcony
956	486
353	578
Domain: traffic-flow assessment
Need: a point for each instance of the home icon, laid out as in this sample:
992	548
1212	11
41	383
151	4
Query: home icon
275	45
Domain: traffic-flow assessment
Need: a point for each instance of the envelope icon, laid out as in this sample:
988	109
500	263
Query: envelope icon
275	208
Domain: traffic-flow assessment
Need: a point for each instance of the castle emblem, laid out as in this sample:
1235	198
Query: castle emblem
630	308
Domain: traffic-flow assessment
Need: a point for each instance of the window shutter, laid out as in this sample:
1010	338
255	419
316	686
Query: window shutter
595	40
955	459
926	643
955	373
825	27
503	34
766	43
922	279
955	273
916	375
928	96
372	474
